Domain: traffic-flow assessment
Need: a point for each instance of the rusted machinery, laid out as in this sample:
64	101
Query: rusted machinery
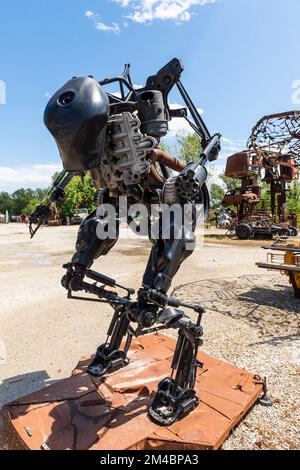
55	216
285	257
273	156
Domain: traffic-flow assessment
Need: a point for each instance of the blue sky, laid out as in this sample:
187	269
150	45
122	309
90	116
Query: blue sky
241	61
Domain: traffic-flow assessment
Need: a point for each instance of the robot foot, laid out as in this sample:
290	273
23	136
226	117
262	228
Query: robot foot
172	403
106	361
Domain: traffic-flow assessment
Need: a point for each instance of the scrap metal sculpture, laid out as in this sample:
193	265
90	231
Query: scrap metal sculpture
276	139
116	137
274	155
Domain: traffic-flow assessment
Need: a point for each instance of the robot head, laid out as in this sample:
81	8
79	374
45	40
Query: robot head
77	116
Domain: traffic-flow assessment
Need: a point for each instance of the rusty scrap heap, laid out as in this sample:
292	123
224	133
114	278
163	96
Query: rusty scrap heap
273	155
276	139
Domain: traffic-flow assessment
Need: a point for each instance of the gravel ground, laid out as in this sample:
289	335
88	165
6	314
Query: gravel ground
260	324
252	320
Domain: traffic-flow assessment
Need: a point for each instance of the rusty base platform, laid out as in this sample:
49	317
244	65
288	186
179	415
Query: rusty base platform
83	412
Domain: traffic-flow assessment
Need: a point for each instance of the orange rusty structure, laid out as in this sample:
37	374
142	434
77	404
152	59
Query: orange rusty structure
273	155
246	167
110	413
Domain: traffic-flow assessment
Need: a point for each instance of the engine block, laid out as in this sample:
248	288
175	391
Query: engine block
125	157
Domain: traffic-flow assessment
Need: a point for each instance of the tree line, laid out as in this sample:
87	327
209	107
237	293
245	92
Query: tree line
79	194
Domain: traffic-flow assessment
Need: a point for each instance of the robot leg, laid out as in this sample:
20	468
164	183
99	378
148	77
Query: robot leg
176	396
167	255
88	248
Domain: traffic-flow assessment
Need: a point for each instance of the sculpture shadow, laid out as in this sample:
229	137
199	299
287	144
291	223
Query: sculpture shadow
75	422
13	388
89	424
282	300
278	340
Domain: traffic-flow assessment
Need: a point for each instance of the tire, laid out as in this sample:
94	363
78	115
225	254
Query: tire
243	231
294	231
284	232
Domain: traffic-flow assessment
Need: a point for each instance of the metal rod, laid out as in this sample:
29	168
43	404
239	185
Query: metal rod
194	112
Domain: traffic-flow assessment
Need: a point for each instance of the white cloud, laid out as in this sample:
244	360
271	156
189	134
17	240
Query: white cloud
180	124
107	28
30	176
230	146
145	11
114	27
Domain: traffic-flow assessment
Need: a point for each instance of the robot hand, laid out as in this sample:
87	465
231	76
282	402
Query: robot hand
40	215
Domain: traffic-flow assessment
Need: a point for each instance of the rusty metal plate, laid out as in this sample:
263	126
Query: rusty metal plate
84	413
238	165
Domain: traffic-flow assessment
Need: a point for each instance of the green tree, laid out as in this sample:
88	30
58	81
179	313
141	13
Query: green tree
188	147
265	196
293	199
217	194
41	194
31	206
6	203
230	183
164	147
80	193
21	198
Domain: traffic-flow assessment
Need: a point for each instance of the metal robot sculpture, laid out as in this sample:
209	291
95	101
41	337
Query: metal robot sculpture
116	137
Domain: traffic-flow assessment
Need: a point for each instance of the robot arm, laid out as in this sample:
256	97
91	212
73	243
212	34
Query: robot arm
56	194
193	177
164	81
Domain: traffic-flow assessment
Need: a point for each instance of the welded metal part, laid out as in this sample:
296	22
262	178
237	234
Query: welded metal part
126	150
242	165
152	113
276	138
170	194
